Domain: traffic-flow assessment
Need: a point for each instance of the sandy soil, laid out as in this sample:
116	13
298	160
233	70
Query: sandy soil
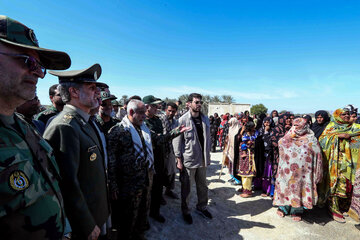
238	218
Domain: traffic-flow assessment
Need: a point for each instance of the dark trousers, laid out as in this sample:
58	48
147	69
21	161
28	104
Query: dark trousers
170	182
156	194
213	143
131	215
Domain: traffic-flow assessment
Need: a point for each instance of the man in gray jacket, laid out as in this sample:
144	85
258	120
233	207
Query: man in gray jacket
192	152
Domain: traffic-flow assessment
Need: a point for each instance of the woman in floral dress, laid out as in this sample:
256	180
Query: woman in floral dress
299	170
247	165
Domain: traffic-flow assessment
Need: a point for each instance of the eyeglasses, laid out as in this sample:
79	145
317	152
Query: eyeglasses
198	102
30	62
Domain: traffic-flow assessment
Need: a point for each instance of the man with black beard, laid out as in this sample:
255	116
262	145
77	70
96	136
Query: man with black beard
192	152
104	117
56	107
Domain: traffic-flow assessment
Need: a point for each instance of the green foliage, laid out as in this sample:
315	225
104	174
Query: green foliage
174	100
215	99
258	109
227	99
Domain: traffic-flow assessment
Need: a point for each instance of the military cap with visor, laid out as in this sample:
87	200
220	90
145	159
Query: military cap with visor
87	75
150	99
17	34
115	103
106	96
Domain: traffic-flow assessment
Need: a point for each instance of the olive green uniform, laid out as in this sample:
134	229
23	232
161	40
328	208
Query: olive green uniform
81	163
31	204
105	126
45	115
159	141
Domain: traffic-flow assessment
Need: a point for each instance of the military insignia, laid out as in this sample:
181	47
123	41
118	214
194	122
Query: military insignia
33	37
90	149
67	117
93	157
18	181
105	94
95	75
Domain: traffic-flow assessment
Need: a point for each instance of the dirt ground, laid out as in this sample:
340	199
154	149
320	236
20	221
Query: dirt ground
238	218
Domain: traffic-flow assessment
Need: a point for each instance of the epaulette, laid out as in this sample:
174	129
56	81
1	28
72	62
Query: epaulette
68	117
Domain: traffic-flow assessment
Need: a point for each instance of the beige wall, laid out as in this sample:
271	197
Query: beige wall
227	108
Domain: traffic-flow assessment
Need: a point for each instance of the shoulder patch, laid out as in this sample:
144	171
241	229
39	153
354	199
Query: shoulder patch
18	181
67	117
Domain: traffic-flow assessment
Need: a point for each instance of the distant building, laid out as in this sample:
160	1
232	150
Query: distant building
222	108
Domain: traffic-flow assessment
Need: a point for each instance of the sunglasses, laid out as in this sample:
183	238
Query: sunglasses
198	102
30	62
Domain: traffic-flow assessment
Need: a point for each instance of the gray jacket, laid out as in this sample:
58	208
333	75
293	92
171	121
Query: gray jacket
187	145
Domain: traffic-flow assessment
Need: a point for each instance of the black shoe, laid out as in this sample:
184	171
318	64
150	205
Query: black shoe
171	194
205	213
188	218
163	201
146	227
158	217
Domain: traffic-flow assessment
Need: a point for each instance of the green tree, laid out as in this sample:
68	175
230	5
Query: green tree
227	99
183	98
205	107
258	109
215	99
283	111
169	100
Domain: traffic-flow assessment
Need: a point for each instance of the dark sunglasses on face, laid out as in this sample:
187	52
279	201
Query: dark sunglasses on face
198	102
30	62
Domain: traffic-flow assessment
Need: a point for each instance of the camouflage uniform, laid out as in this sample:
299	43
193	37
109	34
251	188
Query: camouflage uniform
45	115
105	126
31	204
132	180
159	141
170	162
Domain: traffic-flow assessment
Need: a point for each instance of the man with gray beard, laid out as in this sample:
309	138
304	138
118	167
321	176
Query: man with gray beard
79	154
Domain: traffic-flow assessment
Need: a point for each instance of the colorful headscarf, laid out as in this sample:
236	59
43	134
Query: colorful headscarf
300	167
340	154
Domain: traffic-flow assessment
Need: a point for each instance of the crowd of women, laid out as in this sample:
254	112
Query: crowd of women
296	162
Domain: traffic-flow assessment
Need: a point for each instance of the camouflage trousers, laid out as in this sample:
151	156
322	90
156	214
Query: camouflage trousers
131	214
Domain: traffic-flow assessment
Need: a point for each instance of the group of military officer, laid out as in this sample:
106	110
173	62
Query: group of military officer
51	182
40	179
58	182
